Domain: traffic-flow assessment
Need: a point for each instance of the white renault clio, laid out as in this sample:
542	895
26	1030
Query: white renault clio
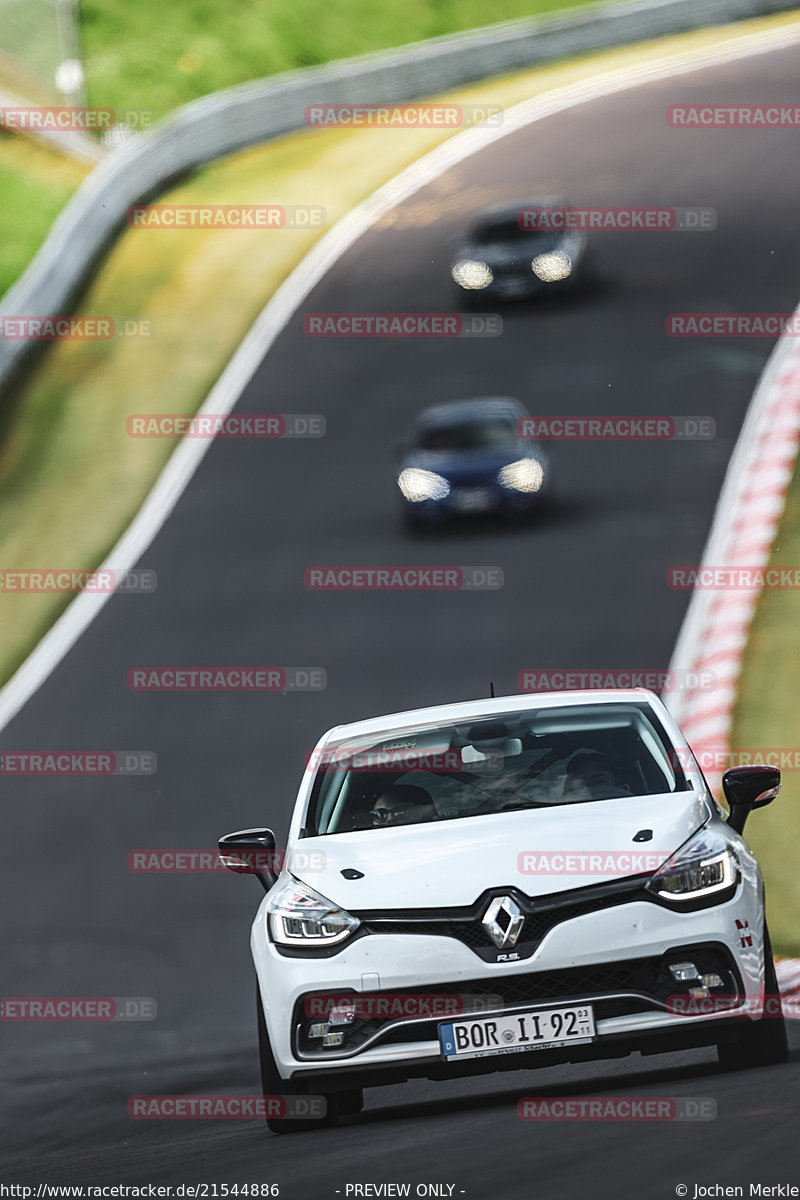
506	883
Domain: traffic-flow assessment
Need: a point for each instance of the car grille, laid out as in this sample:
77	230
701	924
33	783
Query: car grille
512	270
541	915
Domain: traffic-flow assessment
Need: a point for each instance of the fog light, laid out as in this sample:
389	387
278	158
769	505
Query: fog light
333	1039
710	981
684	972
318	1030
342	1014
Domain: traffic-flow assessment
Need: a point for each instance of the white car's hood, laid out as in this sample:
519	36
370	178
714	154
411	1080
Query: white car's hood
452	862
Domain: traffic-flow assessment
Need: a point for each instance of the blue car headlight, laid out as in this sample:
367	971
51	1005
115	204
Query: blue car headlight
418	485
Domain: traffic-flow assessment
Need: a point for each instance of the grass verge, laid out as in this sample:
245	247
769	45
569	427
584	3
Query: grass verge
35	184
147	59
155	56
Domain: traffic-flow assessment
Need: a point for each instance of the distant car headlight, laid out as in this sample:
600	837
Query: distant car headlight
299	916
702	870
525	475
472	275
418	485
552	267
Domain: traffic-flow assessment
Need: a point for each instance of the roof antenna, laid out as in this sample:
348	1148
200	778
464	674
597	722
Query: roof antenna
491	690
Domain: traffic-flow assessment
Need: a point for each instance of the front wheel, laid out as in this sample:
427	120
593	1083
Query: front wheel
762	1043
272	1084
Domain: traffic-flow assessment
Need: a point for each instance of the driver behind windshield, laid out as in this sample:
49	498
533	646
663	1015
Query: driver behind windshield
403	804
592	776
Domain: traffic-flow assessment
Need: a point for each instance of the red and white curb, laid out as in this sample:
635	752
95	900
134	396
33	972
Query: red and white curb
717	623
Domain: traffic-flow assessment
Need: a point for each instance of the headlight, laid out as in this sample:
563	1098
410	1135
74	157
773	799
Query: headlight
552	267
525	475
418	485
703	870
472	275
299	916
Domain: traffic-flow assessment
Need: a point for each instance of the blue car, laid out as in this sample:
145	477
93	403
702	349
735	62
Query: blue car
470	456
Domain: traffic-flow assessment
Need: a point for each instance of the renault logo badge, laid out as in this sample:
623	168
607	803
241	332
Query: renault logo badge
503	921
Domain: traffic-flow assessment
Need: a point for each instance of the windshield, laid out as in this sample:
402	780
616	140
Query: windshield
509	231
468	435
535	759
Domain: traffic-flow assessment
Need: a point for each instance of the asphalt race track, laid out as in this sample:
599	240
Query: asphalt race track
584	586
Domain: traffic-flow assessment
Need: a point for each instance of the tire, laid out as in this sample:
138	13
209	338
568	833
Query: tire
337	1103
762	1043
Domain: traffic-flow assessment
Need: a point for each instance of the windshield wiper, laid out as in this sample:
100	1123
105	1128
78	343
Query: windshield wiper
522	804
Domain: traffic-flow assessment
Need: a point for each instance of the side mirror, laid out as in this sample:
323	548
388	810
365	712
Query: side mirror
747	788
251	852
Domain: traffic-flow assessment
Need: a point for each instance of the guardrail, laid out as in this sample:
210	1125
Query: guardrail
229	120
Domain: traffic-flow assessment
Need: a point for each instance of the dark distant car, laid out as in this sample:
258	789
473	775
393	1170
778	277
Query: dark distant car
470	456
520	251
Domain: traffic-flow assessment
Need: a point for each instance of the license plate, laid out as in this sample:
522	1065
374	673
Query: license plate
524	1032
472	499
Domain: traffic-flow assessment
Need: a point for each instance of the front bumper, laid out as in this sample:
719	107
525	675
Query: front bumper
474	500
518	284
424	1062
600	944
